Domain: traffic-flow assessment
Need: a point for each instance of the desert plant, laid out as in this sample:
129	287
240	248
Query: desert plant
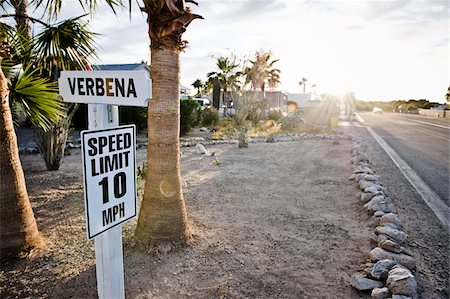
275	115
210	117
291	122
244	102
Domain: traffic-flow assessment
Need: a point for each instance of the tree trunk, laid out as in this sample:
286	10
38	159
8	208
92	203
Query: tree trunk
162	223
18	228
23	24
52	143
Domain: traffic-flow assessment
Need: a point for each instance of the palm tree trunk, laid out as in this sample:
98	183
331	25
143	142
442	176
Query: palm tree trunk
162	223
23	23
18	228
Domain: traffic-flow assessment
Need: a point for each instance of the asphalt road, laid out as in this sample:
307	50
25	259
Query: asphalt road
423	143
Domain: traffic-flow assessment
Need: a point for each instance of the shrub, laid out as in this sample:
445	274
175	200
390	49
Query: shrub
275	115
190	115
210	117
133	115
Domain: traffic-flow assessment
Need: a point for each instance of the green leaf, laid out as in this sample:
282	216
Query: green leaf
37	96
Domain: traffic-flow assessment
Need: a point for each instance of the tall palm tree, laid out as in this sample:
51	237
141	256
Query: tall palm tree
29	86
162	223
18	228
303	83
262	71
228	76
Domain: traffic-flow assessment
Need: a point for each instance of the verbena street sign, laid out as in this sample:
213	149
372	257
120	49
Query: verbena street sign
109	165
129	88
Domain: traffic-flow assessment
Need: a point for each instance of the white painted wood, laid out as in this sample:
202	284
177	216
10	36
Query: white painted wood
109	264
128	88
108	245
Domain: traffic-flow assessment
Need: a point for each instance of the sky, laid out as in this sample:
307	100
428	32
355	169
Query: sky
380	50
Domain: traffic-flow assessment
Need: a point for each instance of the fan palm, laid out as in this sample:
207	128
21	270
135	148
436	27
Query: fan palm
28	84
162	222
199	85
303	83
37	97
262	71
227	75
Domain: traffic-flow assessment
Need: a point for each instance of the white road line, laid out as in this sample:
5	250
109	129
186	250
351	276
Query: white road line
426	123
437	205
359	118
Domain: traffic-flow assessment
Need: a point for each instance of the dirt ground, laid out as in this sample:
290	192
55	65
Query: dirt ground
276	220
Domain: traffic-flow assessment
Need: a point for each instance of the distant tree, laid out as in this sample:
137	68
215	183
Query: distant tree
447	96
303	83
199	85
228	75
262	71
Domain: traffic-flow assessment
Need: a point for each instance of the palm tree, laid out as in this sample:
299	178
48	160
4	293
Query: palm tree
303	83
262	72
227	76
162	223
31	88
37	97
199	85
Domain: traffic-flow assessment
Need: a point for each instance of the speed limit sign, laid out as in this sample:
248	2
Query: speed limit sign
109	163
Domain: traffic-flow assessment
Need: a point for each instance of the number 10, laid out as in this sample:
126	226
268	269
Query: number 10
120	186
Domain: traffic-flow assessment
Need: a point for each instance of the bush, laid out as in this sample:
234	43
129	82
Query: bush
275	115
190	115
133	115
210	117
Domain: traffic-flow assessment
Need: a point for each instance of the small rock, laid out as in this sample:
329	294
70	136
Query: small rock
396	235
381	269
362	157
371	178
363	169
200	148
401	297
379	214
401	282
363	184
391	246
379	203
374	221
382	237
391	218
378	254
359	176
365	284
203	129
381	293
368	270
373	189
391	225
366	197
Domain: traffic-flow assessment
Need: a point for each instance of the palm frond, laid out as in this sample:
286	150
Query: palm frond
67	45
53	7
37	96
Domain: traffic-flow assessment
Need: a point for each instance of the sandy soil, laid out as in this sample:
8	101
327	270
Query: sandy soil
277	220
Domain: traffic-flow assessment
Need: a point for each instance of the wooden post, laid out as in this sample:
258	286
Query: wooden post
108	245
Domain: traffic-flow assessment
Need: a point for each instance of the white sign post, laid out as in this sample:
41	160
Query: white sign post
107	179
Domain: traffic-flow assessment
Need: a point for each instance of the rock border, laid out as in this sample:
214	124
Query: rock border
389	274
32	149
